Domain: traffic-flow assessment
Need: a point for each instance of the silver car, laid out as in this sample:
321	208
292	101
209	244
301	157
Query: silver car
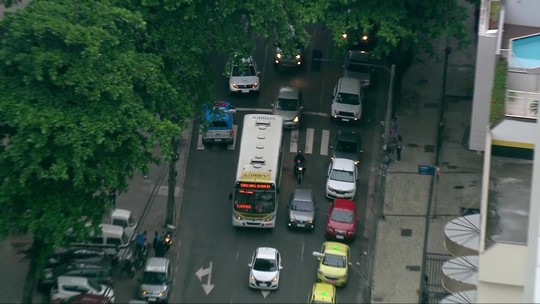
302	209
156	280
357	67
244	76
288	105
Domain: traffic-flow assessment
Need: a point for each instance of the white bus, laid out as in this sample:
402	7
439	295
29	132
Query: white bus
255	193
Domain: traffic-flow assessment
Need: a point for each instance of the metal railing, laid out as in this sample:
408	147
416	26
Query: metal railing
521	104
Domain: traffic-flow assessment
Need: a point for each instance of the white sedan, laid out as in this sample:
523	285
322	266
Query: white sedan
264	268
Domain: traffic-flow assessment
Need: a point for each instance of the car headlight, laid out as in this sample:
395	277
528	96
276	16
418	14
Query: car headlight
296	119
275	279
48	273
256	84
356	162
144	292
331	189
350	232
252	277
298	57
292	220
310	221
278	55
234	85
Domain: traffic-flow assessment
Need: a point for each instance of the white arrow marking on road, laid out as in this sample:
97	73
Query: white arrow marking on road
265	293
206	272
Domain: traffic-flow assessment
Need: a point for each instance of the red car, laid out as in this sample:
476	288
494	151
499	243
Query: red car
342	220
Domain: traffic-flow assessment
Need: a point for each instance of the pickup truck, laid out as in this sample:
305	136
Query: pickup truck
218	123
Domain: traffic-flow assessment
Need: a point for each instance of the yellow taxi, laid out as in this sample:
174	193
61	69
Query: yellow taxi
322	293
333	263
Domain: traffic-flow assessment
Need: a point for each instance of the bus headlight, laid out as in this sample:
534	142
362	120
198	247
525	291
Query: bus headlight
269	219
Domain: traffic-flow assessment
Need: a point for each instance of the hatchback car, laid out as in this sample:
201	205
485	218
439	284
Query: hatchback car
357	66
333	263
244	76
156	280
265	267
341	220
288	105
341	179
302	209
322	293
68	286
347	145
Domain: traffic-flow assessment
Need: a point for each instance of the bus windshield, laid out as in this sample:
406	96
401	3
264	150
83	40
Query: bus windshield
254	201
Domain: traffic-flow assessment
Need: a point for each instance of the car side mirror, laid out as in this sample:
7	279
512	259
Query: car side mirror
272	105
318	255
280	267
249	265
331	147
361	151
301	107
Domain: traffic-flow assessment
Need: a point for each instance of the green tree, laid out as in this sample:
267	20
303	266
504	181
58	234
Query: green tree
79	113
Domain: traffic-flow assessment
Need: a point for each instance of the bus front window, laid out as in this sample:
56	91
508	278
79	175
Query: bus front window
254	201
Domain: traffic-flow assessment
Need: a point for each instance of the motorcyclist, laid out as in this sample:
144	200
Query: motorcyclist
300	159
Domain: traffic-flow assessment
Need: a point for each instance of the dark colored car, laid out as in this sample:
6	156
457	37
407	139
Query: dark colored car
101	271
357	67
342	220
85	299
76	255
347	145
302	209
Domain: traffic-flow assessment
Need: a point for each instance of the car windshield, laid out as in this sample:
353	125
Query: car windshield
347	98
342	176
287	104
346	147
301	206
218	124
243	70
333	260
154	278
95	285
357	66
265	265
255	201
342	216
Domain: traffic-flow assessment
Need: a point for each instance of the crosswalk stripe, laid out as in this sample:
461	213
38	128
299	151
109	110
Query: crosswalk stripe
294	141
324	142
309	140
233	145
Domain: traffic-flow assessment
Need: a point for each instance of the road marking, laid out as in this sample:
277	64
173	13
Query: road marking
324	142
200	145
302	255
206	272
309	140
294	141
265	293
233	145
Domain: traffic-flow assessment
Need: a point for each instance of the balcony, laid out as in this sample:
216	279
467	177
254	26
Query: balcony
522	104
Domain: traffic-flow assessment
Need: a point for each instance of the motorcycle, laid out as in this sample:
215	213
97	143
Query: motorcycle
142	256
128	267
168	237
299	169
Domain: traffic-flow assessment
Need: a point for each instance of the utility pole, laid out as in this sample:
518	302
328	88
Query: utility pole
172	183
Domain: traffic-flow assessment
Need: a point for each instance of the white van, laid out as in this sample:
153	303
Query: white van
124	218
113	240
347	100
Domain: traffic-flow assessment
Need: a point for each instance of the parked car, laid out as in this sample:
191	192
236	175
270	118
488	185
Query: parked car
289	106
342	220
347	100
301	209
357	66
341	179
100	271
265	267
84	298
156	280
124	218
348	144
68	286
244	76
77	254
333	263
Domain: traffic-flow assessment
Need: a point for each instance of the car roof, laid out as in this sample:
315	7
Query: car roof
156	264
288	93
346	204
324	292
88	298
305	195
210	114
343	164
336	248
72	280
348	136
266	253
111	229
362	56
121	213
244	61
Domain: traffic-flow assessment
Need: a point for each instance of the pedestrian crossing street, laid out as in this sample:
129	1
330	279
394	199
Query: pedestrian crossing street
309	140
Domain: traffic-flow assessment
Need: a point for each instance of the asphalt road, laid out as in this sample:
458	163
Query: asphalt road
206	237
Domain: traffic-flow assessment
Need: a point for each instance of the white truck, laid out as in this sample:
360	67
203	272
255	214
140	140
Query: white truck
124	218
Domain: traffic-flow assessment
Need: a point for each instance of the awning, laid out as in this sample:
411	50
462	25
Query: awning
514	133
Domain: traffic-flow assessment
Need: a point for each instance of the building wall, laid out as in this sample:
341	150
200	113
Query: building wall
523	81
483	83
498	293
523	12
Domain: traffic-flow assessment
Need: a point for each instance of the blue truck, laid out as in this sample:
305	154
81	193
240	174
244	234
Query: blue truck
218	121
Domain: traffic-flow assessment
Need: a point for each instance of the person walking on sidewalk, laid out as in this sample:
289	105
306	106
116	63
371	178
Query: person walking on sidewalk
399	147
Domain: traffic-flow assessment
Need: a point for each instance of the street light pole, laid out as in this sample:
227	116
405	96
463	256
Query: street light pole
172	183
389	109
